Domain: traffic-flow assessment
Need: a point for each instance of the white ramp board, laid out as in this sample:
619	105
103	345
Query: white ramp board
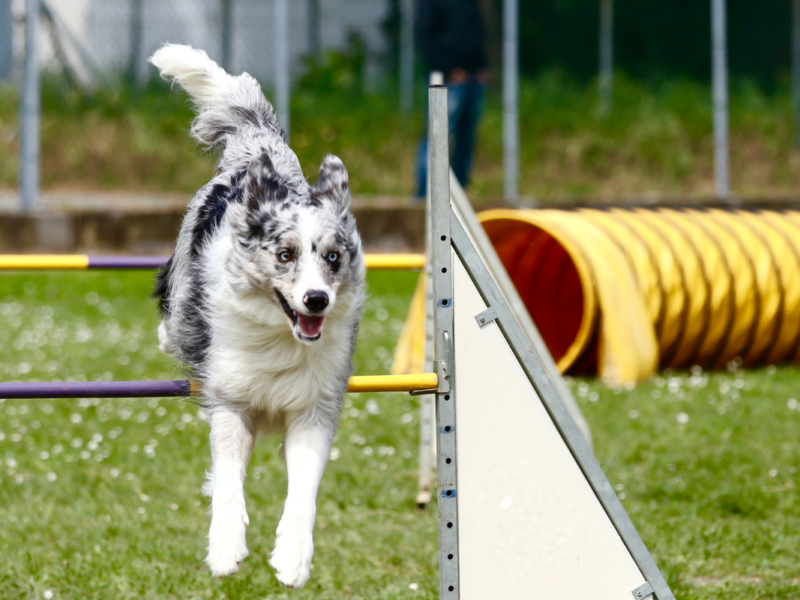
530	525
537	518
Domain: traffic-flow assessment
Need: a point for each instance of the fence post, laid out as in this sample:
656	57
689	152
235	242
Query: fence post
135	40
796	69
720	79
226	22
30	105
6	41
606	79
510	102
407	55
282	81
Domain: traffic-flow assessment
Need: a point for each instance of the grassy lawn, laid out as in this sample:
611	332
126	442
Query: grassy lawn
100	498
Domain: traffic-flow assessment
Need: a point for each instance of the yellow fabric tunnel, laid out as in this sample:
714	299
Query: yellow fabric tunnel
621	292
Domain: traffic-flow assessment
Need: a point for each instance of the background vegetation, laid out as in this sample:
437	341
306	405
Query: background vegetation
655	143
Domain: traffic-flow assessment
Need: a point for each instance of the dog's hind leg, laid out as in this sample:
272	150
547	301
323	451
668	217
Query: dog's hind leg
232	439
307	447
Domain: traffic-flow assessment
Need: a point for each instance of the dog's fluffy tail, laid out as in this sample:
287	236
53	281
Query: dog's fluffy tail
224	103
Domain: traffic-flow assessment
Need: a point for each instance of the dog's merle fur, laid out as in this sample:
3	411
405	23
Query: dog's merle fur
262	260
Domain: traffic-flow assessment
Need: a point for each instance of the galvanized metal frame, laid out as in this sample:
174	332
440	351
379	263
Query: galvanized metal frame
548	393
442	284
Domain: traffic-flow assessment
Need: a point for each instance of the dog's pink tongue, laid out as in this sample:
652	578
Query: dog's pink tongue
309	325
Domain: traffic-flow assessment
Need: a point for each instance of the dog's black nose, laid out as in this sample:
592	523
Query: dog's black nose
315	300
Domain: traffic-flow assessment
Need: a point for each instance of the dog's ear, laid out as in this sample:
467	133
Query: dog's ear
262	184
333	185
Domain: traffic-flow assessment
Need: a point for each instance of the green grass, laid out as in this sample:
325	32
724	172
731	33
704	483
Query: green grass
100	498
656	142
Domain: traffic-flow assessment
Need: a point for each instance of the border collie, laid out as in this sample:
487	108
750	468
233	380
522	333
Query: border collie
261	300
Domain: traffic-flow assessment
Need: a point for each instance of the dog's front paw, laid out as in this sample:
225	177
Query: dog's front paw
291	558
227	544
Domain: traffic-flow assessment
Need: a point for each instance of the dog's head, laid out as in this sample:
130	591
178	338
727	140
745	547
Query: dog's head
297	244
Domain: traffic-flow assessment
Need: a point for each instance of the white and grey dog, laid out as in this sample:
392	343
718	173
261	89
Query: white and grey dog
261	300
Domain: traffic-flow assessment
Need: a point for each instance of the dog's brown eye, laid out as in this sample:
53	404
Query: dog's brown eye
284	256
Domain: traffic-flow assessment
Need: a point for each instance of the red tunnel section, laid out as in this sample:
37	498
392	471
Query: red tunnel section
546	279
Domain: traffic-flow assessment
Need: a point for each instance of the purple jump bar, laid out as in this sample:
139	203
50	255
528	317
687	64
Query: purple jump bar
126	262
95	389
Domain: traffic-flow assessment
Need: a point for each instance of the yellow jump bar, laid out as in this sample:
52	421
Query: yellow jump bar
23	262
19	262
393	383
408	262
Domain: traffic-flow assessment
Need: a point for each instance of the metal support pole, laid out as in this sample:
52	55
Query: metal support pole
796	69
606	79
29	146
282	80
444	354
510	102
720	82
226	22
6	40
407	55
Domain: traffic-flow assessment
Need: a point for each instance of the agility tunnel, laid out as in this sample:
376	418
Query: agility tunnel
623	292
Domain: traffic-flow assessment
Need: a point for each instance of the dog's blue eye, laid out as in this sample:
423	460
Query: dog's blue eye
285	256
333	257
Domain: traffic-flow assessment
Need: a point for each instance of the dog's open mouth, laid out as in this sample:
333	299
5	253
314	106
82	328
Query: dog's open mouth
307	327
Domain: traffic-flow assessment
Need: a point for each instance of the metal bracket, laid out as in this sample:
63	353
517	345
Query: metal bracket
643	591
486	317
444	377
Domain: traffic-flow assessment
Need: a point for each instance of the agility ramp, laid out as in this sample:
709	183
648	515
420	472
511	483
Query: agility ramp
525	511
631	290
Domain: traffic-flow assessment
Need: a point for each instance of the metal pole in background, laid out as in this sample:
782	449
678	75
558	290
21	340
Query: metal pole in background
6	41
282	81
314	44
226	21
796	69
407	55
606	79
135	40
720	82
29	143
510	102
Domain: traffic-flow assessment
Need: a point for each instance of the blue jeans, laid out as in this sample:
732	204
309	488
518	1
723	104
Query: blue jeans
464	104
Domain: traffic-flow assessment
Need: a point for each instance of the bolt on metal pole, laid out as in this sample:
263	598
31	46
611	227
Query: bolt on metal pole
606	79
30	104
720	83
282	80
407	55
796	69
510	101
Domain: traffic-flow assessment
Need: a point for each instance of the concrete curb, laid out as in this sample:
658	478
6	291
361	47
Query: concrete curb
383	229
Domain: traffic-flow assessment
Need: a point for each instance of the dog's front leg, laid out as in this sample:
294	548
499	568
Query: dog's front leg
232	438
307	446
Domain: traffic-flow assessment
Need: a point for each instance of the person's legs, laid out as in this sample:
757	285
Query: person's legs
464	129
422	164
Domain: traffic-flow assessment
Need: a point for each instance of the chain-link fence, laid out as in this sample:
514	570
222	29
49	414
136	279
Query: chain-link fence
96	41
